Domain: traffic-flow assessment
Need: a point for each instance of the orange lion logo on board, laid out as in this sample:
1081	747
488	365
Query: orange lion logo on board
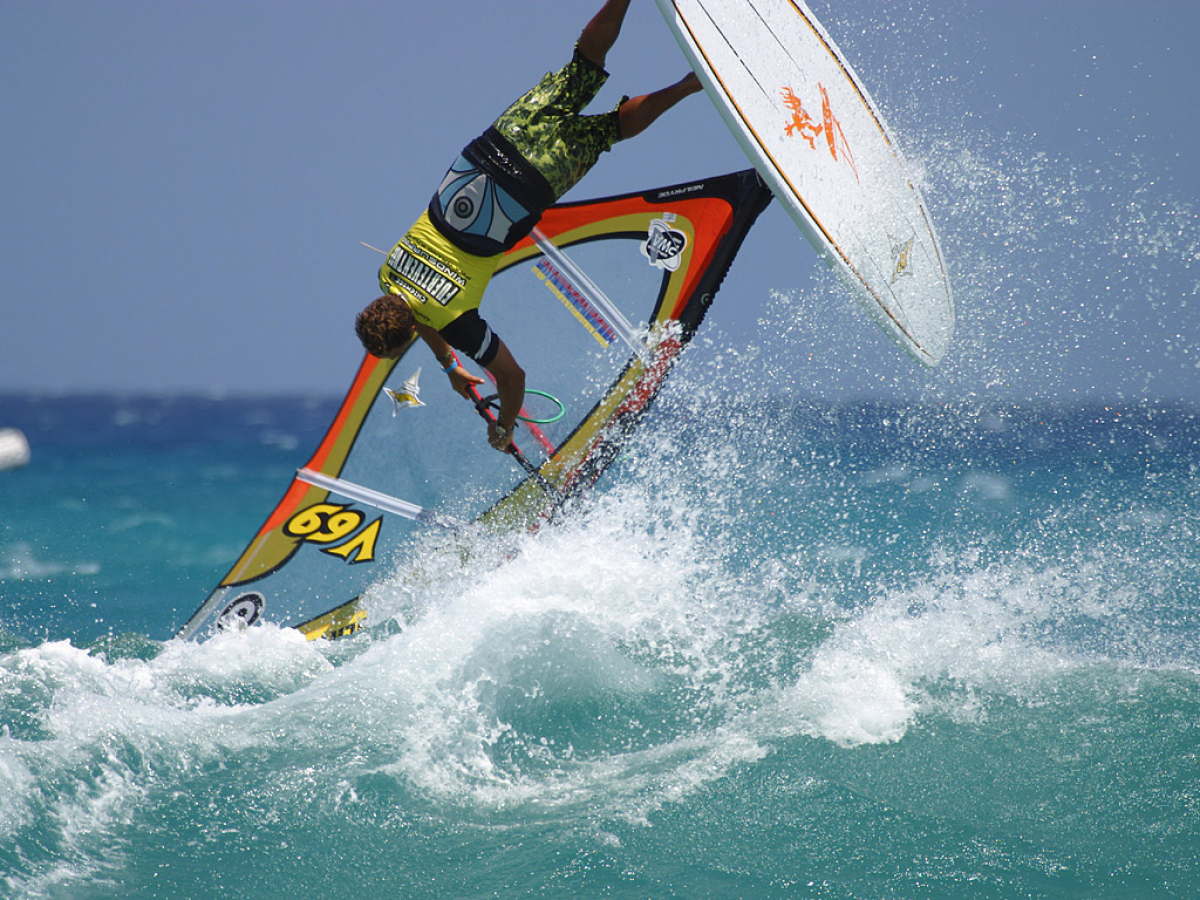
806	127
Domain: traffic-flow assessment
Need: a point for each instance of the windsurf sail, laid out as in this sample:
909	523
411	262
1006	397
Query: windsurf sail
596	306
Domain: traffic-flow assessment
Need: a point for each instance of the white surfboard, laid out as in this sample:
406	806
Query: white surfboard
814	134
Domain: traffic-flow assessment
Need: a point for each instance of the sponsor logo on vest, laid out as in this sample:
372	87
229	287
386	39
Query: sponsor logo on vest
424	272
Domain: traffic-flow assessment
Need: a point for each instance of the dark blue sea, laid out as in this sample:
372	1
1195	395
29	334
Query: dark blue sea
790	649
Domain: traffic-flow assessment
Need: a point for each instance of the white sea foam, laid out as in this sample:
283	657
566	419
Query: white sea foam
19	562
621	662
101	736
932	649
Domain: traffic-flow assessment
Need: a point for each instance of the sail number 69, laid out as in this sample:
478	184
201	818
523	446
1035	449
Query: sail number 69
328	523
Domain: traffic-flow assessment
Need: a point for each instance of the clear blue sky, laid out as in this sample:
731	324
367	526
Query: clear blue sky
185	185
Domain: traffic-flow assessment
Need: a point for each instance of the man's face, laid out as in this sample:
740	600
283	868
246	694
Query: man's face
394	351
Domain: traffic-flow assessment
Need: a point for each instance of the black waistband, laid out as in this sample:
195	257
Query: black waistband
495	155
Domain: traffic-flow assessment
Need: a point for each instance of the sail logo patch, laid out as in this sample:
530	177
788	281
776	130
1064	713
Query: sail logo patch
560	286
664	246
408	396
242	612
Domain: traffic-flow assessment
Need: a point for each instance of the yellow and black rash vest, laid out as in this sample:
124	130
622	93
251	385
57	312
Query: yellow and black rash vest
491	197
438	280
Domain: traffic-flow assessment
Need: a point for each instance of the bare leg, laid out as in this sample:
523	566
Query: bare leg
638	113
602	31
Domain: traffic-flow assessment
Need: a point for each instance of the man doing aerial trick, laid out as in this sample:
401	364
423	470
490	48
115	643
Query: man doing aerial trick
492	197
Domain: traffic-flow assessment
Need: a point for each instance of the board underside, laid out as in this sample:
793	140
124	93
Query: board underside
809	126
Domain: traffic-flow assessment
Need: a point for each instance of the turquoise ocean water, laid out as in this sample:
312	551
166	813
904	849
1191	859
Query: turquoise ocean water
791	650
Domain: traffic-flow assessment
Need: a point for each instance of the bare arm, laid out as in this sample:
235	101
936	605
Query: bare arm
460	378
510	385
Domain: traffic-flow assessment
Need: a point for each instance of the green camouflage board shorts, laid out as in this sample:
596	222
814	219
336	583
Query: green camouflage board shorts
546	127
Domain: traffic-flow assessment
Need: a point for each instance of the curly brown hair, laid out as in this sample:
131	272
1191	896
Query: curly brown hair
385	325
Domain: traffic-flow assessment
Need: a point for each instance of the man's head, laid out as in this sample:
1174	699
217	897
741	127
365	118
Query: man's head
385	326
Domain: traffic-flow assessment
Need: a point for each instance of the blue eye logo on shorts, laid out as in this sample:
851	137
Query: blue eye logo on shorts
473	204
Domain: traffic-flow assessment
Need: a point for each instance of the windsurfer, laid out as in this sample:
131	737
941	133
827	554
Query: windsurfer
491	198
